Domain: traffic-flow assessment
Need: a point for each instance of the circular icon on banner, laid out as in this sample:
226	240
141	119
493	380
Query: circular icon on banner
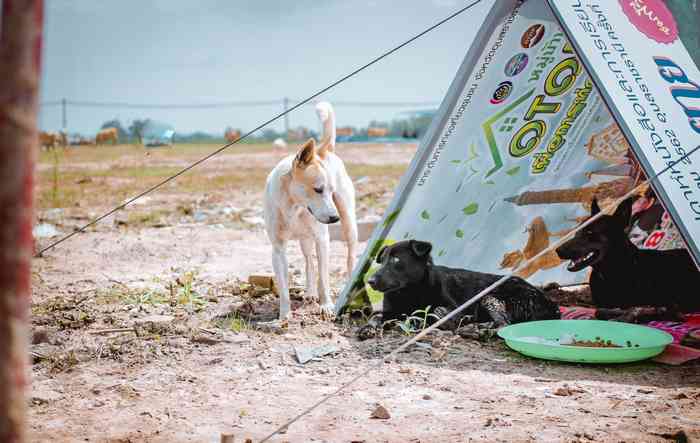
516	64
532	36
502	92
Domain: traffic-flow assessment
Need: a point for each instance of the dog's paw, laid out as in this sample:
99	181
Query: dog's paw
368	331
327	311
310	297
552	286
441	312
478	331
274	326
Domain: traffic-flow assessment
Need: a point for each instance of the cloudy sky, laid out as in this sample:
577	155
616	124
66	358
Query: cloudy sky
186	51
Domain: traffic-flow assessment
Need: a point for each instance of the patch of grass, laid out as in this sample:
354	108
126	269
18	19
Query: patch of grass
416	322
85	175
62	362
110	296
182	292
233	322
147	218
147	297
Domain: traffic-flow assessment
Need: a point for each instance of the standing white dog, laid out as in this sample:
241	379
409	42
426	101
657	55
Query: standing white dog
303	194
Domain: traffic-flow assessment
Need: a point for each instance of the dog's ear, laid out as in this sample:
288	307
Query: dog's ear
623	213
420	248
594	207
306	154
381	254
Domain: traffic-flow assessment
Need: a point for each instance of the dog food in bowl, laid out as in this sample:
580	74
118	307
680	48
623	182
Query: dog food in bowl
597	343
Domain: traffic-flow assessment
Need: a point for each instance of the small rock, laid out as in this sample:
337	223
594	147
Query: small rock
237	339
275	326
39	336
200	216
262	281
645	391
155	324
41	396
563	392
380	413
254	220
45	230
206	339
98	404
679	436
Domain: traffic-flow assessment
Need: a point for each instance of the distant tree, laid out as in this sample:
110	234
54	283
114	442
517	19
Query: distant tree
271	134
378	124
115	123
136	129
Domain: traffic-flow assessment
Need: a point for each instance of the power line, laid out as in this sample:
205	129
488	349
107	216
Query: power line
247	104
273	119
233	104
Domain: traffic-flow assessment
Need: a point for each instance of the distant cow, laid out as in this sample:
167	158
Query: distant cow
232	135
106	135
51	140
346	131
377	132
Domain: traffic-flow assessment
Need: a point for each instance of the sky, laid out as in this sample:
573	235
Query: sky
209	51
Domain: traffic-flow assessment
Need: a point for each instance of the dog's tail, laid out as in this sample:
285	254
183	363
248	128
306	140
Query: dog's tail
325	113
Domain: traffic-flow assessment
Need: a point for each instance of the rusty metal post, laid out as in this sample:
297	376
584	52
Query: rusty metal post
20	56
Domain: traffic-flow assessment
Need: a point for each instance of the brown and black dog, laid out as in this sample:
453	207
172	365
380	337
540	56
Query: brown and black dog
624	276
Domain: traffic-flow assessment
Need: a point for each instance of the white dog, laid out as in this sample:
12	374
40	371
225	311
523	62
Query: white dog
303	194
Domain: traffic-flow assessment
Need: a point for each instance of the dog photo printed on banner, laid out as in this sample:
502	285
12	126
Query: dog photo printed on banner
523	151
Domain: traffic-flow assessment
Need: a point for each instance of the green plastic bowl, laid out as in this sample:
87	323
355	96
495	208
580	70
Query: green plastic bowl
540	339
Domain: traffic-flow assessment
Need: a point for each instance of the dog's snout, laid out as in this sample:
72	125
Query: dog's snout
333	219
563	251
559	251
372	281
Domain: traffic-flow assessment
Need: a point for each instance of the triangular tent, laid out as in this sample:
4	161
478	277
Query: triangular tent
555	102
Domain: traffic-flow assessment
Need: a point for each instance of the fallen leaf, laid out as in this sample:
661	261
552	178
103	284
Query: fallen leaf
471	209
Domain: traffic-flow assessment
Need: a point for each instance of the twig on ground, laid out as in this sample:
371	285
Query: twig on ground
112	331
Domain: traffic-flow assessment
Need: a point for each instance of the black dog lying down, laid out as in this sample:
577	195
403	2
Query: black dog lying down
626	277
410	282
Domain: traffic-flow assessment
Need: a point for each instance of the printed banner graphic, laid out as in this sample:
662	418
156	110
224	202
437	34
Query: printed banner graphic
526	143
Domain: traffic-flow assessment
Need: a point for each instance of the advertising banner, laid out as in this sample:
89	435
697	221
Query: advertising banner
521	145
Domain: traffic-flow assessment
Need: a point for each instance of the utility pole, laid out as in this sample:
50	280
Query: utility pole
64	117
21	24
286	119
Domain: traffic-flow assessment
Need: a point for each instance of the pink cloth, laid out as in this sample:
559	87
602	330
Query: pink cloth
678	330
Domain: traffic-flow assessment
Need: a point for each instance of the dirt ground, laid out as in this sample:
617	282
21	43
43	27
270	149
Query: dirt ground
145	330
